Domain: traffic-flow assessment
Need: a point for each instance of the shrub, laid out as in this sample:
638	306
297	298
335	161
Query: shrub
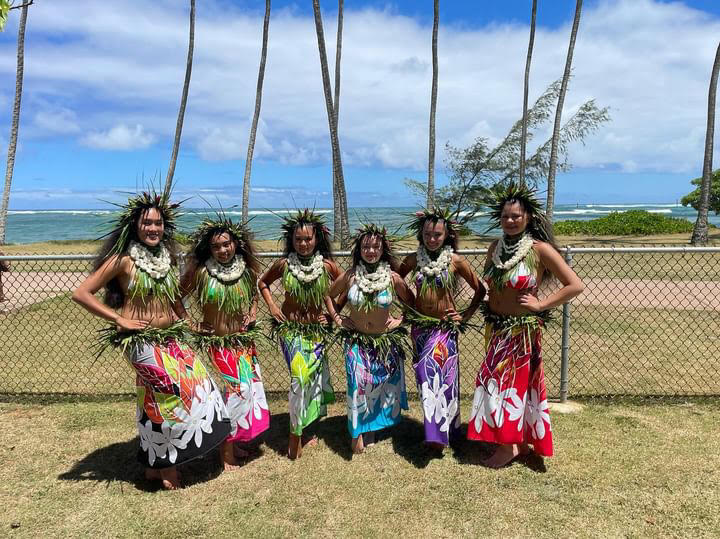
627	223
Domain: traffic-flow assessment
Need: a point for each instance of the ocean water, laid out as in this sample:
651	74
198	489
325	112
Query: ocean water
29	226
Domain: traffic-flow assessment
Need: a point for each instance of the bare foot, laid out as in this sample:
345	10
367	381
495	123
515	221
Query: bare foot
227	457
357	445
239	452
295	447
310	440
504	455
436	446
169	477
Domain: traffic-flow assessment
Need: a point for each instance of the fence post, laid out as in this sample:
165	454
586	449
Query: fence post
565	348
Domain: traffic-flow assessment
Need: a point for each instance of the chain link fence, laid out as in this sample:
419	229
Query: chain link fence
648	323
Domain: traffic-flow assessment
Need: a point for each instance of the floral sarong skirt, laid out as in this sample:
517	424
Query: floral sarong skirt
375	386
180	411
310	387
510	404
437	371
244	391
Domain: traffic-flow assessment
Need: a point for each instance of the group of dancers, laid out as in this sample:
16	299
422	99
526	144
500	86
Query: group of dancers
182	413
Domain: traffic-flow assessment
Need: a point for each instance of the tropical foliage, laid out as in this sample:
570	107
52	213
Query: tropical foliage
693	198
628	223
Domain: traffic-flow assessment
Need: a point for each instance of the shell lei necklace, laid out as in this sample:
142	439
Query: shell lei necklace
433	268
226	273
308	284
156	266
433	273
371	283
303	273
154	274
519	251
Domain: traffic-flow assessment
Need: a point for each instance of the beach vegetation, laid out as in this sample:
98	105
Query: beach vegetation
474	172
627	223
693	198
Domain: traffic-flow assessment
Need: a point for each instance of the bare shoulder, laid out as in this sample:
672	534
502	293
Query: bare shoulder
544	249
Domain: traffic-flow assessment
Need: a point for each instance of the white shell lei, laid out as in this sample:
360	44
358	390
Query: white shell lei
432	268
521	249
371	283
302	273
155	266
226	273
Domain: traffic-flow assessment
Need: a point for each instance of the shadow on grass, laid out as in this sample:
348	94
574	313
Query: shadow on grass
408	440
474	453
331	430
117	462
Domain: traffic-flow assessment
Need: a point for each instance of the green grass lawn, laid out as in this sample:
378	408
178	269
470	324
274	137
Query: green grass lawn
621	469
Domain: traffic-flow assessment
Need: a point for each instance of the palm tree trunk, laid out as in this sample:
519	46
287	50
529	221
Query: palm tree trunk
12	144
183	102
256	115
334	141
550	203
338	210
433	107
700	231
523	140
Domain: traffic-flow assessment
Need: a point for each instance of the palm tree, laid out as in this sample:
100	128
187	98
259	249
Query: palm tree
433	106
338	209
12	145
550	203
256	115
523	140
334	141
183	102
700	231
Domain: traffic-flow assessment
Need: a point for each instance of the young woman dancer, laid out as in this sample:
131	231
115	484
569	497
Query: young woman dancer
223	273
373	339
306	271
181	414
510	404
436	321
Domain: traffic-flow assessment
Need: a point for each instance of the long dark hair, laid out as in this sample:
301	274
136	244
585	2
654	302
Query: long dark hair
436	215
117	241
244	245
388	254
303	218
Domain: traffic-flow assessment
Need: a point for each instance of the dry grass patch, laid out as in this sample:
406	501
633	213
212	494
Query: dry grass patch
621	469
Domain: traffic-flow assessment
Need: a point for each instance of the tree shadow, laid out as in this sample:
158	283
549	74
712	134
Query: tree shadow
117	462
408	439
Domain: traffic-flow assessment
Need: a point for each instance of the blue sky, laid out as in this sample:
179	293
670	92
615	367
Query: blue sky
103	83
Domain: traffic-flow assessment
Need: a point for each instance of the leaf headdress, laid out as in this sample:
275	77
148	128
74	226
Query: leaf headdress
232	297
538	226
434	215
307	217
126	223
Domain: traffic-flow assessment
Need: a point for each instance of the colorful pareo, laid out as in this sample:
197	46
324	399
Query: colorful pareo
180	411
375	380
437	372
236	359
303	346
510	404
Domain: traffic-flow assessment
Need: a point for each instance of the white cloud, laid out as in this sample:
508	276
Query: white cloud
57	121
120	137
648	61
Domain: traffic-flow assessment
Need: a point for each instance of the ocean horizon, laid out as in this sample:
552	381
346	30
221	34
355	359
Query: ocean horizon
32	226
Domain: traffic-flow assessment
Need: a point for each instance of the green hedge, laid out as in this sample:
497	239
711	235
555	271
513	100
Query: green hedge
627	223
